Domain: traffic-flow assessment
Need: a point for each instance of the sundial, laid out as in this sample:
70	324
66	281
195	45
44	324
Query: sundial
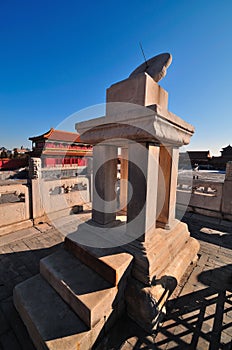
156	66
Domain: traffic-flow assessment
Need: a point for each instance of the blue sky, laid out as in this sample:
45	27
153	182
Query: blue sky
58	57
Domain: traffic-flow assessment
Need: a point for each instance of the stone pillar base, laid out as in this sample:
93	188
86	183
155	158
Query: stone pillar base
143	304
156	272
155	255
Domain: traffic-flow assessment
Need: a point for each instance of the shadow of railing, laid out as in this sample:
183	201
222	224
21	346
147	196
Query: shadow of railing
16	267
201	319
216	234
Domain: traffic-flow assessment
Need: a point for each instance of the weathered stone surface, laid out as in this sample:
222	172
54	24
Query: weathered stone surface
104	177
123	181
139	90
108	263
146	305
87	293
15	215
47	207
151	257
229	171
47	317
133	122
156	66
167	183
51	323
141	305
227	193
14	227
143	177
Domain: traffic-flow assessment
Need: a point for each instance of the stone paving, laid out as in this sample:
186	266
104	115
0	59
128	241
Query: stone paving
19	260
199	318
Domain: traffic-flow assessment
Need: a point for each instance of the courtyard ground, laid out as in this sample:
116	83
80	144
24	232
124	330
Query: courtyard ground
199	315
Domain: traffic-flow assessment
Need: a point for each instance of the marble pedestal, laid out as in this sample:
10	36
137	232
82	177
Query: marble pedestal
149	138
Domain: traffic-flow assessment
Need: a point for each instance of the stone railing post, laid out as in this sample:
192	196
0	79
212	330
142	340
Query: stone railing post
227	193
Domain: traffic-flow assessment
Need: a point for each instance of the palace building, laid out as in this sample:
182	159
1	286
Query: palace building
204	160
226	156
58	148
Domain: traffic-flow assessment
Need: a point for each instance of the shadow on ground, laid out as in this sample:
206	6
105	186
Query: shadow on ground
15	267
200	319
210	231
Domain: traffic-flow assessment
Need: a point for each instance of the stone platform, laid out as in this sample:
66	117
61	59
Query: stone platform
200	318
69	305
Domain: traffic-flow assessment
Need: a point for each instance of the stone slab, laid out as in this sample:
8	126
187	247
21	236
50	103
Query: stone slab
4	230
18	235
51	323
87	293
111	264
134	122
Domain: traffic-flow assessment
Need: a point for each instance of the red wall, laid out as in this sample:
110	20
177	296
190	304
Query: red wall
10	164
51	162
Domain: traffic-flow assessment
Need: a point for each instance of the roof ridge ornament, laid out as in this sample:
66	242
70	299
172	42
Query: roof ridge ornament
156	67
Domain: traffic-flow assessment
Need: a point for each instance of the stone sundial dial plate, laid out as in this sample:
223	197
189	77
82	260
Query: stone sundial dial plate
156	66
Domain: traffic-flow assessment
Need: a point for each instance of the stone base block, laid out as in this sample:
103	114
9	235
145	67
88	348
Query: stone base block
142	306
146	305
153	256
141	90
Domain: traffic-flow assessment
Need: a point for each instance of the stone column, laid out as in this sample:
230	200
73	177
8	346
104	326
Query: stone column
167	183
104	181
143	178
123	180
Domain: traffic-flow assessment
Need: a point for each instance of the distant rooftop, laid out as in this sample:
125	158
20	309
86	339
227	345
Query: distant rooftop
199	154
57	135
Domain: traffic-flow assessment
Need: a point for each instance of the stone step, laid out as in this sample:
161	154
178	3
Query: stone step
87	293
51	323
110	263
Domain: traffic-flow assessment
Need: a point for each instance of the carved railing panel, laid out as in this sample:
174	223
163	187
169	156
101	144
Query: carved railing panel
14	204
202	194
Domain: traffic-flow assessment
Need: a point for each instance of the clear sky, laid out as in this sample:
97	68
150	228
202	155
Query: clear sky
58	57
